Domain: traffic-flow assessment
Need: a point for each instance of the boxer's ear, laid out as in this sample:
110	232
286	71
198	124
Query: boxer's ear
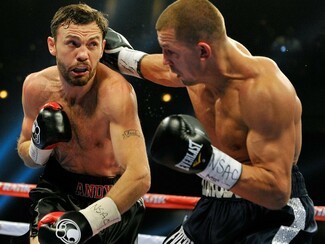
205	50
51	45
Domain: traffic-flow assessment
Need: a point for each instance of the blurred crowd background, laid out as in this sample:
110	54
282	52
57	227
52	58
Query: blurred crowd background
292	32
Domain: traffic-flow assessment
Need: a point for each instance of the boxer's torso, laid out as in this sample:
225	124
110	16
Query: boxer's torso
221	113
221	119
90	150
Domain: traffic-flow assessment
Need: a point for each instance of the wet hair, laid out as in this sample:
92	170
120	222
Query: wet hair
193	21
79	14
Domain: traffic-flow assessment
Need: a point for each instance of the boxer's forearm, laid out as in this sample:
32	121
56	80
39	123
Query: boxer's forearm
153	69
120	56
263	187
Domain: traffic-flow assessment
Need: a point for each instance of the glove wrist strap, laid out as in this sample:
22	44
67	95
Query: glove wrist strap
222	170
129	62
101	214
39	156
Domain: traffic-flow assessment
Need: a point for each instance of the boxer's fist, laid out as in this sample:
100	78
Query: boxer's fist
51	126
60	227
181	143
77	227
120	56
115	42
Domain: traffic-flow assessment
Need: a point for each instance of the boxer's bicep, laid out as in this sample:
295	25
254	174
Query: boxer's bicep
125	128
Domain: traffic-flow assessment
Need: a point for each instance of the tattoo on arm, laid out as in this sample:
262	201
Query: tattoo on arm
129	133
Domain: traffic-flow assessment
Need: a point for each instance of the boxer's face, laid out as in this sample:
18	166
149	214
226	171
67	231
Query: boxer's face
182	58
78	49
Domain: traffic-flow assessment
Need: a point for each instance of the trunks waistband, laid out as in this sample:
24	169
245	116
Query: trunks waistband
298	187
75	184
211	190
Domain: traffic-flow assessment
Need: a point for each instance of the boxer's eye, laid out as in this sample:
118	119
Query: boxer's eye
72	43
93	44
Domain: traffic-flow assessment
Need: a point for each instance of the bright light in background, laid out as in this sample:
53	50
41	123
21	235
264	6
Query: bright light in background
7	145
3	94
166	97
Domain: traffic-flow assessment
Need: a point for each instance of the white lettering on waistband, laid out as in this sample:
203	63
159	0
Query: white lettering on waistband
211	190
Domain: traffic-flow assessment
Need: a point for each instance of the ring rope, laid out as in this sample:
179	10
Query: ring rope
9	228
151	200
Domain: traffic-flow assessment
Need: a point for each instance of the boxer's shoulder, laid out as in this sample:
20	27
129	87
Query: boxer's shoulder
113	85
108	76
44	75
39	86
50	73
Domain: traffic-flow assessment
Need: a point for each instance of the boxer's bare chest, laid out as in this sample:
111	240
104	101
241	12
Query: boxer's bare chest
90	130
221	117
90	149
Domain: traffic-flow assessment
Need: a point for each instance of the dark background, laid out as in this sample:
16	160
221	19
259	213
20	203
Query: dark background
264	27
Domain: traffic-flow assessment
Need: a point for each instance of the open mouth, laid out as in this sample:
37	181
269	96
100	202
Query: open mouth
80	70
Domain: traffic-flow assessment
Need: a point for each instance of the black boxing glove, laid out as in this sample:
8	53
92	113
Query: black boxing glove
177	143
60	227
120	56
78	226
181	143
51	126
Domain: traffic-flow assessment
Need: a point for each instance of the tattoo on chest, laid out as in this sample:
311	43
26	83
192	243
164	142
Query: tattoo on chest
129	133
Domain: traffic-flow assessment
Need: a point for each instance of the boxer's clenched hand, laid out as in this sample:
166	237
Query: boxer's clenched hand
76	227
60	227
51	126
120	56
181	143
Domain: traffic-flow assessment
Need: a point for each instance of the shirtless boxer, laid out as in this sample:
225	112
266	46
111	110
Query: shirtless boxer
81	124
247	140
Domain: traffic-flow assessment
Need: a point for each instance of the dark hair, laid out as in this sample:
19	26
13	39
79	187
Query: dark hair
79	14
